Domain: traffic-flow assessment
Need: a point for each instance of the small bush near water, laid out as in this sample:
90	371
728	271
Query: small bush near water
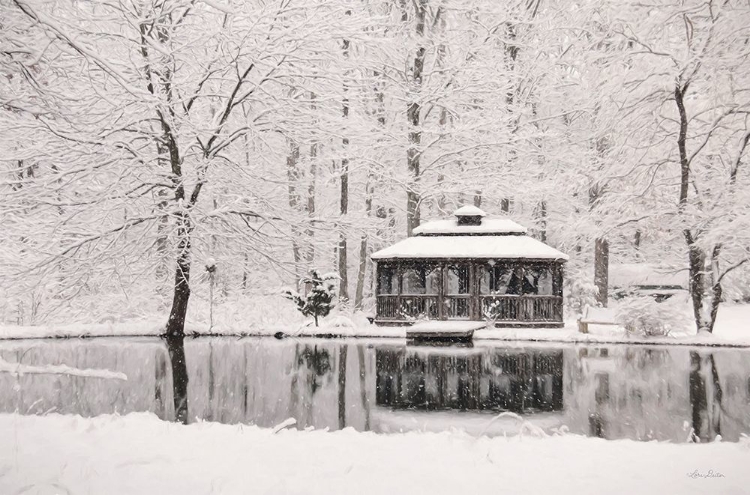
644	316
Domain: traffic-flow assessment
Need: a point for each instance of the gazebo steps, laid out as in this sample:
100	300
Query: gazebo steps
443	330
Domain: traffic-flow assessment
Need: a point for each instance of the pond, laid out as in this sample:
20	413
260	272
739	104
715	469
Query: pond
386	386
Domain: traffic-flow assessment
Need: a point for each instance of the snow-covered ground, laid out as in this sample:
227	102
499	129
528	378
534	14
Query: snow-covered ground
138	453
732	328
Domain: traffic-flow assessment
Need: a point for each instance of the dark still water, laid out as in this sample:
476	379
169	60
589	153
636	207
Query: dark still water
637	392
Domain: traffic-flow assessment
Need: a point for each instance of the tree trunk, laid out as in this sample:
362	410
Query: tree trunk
696	255
310	253
293	176
601	270
244	271
369	192
696	281
162	268
162	202
542	220
169	145
413	114
344	200
360	290
176	322
359	293
343	262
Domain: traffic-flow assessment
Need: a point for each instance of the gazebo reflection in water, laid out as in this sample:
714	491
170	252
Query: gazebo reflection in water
424	378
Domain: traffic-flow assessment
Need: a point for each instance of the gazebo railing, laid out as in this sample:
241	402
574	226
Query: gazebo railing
458	306
387	307
501	308
522	308
400	307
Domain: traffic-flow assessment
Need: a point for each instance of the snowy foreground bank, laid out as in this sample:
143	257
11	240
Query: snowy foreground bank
138	453
732	329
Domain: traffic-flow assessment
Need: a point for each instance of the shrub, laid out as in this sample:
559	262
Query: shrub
319	301
644	316
580	292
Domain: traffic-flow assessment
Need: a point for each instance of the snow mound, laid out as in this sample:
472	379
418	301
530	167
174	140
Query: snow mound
121	454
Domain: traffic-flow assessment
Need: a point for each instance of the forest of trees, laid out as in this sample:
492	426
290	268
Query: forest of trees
142	138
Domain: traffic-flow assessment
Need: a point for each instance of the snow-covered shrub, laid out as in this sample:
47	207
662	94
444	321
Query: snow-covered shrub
736	285
580	292
645	316
319	301
340	325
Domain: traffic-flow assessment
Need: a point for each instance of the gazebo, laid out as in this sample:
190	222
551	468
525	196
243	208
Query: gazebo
471	268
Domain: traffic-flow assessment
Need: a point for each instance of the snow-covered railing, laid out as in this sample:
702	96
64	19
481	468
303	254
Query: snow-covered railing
522	308
501	308
405	307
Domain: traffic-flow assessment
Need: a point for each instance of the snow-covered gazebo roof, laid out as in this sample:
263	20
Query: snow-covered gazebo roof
488	226
486	237
469	211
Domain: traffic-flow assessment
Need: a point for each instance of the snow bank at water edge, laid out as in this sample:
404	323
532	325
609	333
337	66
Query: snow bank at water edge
60	369
140	454
732	329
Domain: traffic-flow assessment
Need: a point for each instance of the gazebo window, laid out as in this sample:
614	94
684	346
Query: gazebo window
422	279
521	283
495	279
517	281
388	280
541	279
457	290
457	279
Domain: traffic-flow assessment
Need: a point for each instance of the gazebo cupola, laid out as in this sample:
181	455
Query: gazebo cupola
469	215
470	267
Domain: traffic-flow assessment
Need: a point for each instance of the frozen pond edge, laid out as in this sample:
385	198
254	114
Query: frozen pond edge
327	334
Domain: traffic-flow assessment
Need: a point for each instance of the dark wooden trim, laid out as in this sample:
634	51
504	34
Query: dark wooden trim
441	292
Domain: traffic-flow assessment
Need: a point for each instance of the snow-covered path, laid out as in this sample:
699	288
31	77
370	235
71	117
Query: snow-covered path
140	454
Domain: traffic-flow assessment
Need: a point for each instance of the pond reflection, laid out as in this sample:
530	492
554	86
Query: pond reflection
490	379
176	348
665	393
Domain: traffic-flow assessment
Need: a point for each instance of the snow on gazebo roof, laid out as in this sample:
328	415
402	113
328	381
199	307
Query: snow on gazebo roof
460	224
489	226
491	238
469	211
471	246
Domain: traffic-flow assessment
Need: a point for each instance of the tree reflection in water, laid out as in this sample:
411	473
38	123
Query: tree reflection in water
342	385
636	392
176	347
705	397
311	366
